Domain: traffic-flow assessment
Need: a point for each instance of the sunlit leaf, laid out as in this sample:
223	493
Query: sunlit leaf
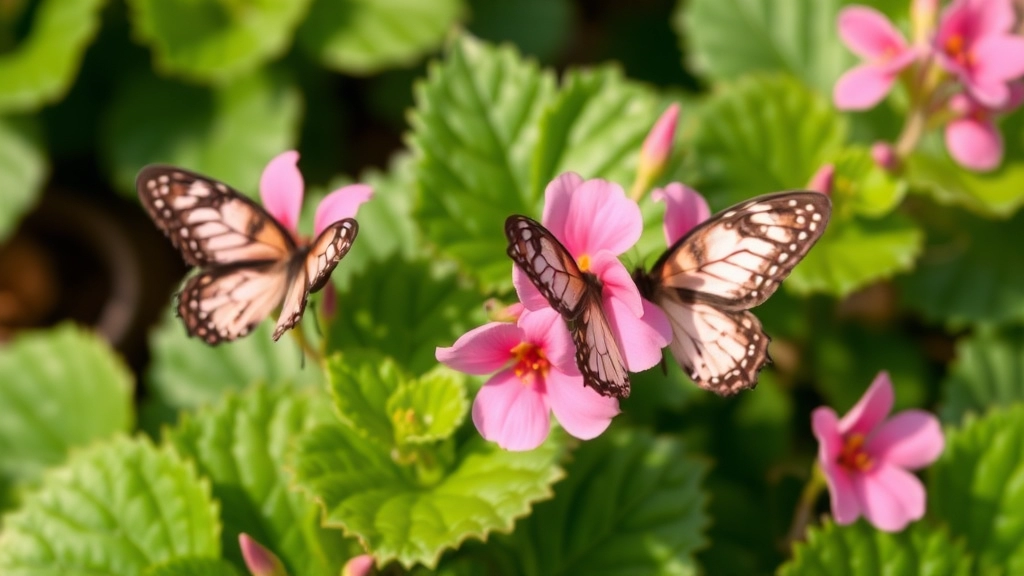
988	372
193	567
22	170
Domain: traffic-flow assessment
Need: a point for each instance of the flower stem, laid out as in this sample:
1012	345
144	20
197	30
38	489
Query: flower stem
307	348
805	506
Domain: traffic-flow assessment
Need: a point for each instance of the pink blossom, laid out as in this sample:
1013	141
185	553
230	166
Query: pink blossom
536	375
975	43
866	457
823	180
684	209
870	35
596	223
972	138
259	560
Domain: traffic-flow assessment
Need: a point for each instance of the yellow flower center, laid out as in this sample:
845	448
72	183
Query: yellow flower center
956	48
583	262
853	457
530	363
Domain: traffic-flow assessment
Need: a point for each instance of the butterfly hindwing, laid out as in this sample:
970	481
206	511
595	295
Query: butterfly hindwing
223	303
597	355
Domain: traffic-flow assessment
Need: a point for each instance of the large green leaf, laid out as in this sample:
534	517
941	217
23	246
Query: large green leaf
215	41
860	550
193	567
975	488
241	445
59	389
228	133
22	169
988	372
631	504
536	27
367	36
115	508
41	67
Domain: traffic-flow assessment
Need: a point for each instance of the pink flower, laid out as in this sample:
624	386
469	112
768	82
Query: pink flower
259	560
823	180
596	223
684	209
973	139
536	375
870	35
866	457
975	44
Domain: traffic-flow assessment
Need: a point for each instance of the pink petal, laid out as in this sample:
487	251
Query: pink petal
580	410
281	188
530	297
546	329
846	508
512	414
600	217
955	21
616	281
557	198
897	62
340	204
684	209
825	425
911	439
891	497
639	339
868	33
862	87
871	409
998	59
991	16
482	350
822	180
973	144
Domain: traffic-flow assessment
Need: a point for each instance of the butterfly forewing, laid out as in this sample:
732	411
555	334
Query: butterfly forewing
597	354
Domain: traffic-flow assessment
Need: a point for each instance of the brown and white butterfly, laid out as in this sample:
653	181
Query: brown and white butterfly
576	295
248	263
708	280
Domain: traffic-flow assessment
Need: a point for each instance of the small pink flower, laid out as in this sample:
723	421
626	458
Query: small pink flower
596	223
870	35
536	375
684	209
823	180
361	565
973	139
866	457
975	43
259	560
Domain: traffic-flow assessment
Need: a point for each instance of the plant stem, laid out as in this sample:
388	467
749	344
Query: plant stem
805	506
307	348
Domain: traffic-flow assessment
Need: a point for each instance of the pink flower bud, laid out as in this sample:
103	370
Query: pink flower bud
259	560
823	179
655	151
361	565
884	156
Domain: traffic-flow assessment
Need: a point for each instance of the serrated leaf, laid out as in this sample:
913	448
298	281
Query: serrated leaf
966	274
405	310
856	252
988	372
23	167
215	41
631	504
367	494
228	133
193	567
114	508
858	549
361	383
861	187
367	36
762	134
429	409
974	487
60	388
186	372
241	446
42	66
474	133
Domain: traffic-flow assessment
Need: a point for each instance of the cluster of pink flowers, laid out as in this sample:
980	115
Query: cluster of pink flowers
962	72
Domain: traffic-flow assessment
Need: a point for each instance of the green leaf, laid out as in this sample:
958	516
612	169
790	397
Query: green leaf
228	133
215	41
429	409
536	27
762	134
42	66
988	371
405	310
241	446
975	488
193	567
114	508
475	134
858	549
361	383
631	504
398	517
23	168
862	187
367	36
856	252
966	273
186	372
60	389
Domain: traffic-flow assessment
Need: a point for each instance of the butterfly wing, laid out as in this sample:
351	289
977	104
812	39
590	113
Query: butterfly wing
576	296
208	221
311	269
226	302
737	258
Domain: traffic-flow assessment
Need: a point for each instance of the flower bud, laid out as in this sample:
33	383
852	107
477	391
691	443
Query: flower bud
823	179
259	560
655	151
361	565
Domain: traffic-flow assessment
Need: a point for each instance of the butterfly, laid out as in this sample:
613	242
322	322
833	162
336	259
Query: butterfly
576	296
248	263
708	280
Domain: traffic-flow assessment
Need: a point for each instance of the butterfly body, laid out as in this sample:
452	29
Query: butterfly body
248	263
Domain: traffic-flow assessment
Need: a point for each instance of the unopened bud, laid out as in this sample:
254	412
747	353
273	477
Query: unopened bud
655	151
823	179
884	156
361	565
259	560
